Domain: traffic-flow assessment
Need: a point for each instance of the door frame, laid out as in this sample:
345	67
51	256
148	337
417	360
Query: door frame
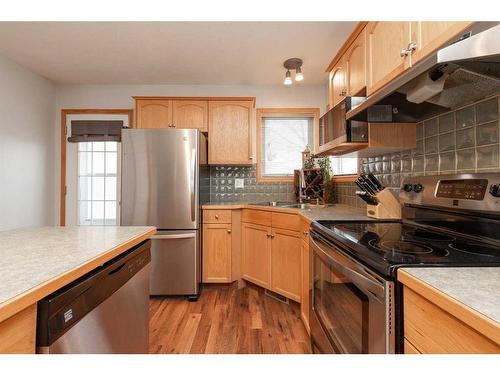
91	111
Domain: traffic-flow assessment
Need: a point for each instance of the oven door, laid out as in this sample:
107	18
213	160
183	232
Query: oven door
351	310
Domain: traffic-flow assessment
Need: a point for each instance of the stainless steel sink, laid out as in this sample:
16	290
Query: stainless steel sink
302	206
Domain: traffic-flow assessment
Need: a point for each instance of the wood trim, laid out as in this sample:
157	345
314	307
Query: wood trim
22	301
80	111
209	98
18	333
472	318
357	30
347	178
281	112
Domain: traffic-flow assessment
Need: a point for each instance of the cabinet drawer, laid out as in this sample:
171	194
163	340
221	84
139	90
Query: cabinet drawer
256	217
444	333
217	216
285	221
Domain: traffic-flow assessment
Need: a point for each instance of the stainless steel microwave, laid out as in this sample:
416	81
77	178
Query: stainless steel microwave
333	125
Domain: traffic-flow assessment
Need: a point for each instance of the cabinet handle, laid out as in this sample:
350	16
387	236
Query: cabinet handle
306	233
217	217
229	231
272	235
269	235
412	46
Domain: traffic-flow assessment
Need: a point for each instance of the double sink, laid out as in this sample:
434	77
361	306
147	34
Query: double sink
302	206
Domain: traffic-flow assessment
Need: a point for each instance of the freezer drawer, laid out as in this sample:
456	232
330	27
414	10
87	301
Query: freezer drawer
175	263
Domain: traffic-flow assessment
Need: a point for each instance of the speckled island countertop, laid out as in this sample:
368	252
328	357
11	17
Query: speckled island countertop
474	287
330	212
35	262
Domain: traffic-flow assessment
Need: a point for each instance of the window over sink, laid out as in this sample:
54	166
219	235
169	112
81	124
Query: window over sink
344	166
282	135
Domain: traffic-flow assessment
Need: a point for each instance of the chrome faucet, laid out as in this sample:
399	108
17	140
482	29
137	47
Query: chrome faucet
302	185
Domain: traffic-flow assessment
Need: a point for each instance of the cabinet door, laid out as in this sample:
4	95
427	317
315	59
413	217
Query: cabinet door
286	270
255	253
190	114
356	65
216	253
305	296
229	132
337	84
153	113
429	36
385	41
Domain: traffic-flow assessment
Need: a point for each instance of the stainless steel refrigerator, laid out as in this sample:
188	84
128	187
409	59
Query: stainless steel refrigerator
165	179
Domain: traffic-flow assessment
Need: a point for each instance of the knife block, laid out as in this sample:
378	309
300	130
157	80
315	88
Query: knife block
388	206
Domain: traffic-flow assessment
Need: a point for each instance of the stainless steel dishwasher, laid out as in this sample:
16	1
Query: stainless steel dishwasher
105	311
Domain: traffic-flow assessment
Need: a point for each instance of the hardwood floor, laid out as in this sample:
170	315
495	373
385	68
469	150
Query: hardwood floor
226	320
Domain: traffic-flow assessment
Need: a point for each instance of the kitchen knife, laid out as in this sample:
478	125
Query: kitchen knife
375	181
371	184
367	197
366	188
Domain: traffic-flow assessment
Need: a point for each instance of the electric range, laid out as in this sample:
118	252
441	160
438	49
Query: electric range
447	220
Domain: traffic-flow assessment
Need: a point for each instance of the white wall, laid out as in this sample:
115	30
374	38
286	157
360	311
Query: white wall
27	149
120	96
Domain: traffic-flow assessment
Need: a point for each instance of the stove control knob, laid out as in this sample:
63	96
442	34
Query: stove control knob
417	188
407	187
495	190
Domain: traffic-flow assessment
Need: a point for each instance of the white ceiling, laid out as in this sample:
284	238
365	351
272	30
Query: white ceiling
172	52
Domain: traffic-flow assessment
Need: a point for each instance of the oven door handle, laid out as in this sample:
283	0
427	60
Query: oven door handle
348	267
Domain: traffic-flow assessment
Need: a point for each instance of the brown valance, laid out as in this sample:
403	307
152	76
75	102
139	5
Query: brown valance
95	131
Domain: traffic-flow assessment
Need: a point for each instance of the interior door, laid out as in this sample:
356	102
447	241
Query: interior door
160	178
72	208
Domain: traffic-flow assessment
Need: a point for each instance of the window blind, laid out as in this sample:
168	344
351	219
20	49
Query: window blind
283	140
95	131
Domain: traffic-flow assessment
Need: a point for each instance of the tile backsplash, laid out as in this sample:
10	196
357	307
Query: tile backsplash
222	186
462	141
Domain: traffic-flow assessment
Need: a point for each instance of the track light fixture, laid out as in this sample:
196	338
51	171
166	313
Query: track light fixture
293	64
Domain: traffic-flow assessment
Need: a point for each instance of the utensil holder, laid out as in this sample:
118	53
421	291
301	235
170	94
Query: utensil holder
388	206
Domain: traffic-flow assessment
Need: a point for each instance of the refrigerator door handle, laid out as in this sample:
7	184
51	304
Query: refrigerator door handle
173	236
193	177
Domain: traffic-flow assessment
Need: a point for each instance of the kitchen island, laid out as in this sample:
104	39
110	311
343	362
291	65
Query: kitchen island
464	306
36	262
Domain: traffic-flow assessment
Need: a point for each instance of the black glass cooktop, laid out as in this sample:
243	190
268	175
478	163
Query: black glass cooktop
389	245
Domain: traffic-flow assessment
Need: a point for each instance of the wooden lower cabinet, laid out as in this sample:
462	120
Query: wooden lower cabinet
216	253
286	263
443	333
18	333
256	253
305	301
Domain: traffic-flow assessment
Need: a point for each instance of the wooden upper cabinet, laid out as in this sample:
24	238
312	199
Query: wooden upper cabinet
153	113
355	62
190	114
229	132
216	253
337	83
255	253
385	42
430	36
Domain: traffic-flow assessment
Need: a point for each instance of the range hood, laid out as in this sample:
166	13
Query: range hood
463	72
